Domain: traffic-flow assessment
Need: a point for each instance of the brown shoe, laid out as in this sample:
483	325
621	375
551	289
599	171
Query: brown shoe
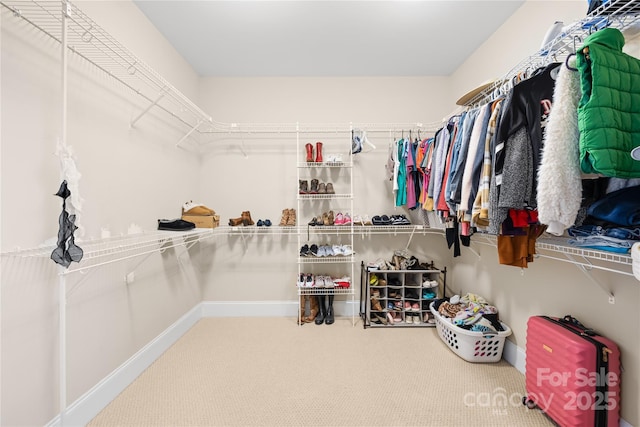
330	189
234	222
322	188
246	218
285	217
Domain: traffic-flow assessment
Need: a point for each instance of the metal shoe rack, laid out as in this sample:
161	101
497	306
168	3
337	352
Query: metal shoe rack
313	204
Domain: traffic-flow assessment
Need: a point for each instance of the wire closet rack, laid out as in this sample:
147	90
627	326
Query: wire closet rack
89	41
620	14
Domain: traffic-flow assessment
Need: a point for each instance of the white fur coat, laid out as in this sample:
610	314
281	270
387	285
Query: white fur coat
559	175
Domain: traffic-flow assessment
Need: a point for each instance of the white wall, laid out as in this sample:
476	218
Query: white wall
128	176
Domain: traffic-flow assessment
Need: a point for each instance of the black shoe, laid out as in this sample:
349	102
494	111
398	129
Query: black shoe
175	225
304	251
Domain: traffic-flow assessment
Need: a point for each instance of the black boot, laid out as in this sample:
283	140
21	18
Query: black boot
329	312
322	310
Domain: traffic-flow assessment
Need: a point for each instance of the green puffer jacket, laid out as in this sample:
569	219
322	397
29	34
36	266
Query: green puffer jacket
609	109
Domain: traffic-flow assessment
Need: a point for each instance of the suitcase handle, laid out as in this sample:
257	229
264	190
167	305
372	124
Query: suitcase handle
569	319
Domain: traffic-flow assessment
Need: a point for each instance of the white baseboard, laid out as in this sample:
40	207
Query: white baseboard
514	355
86	407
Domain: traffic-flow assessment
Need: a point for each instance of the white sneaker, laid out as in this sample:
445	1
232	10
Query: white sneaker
408	318
346	250
328	282
319	281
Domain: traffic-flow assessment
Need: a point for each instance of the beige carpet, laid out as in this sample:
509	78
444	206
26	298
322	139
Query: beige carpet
271	372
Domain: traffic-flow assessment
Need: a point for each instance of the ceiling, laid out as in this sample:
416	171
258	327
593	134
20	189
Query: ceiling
326	38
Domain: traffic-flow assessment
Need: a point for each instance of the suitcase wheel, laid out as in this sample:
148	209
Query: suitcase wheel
528	402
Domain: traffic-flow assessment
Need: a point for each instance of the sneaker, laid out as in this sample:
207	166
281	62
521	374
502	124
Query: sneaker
313	249
339	219
347	219
346	250
407	306
304	251
301	280
408	318
319	281
415	307
328	282
309	282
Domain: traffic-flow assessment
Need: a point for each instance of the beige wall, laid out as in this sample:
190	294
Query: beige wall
128	176
137	175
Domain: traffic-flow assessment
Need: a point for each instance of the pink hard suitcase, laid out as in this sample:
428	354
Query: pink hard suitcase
572	373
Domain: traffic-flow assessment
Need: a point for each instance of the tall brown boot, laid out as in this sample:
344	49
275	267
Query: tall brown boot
302	303
318	152
246	218
313	309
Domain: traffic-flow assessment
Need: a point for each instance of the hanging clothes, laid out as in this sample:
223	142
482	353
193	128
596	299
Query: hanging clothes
401	195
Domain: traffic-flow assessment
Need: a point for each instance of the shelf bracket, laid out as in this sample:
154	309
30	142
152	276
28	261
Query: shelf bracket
586	270
197	125
146	110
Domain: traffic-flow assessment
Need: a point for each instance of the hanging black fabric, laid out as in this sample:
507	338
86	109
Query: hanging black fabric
66	251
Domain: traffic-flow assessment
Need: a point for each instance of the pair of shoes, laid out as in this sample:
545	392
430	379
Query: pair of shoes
326	188
344	250
190	208
265	223
430	284
288	218
399	220
245	219
342	282
342	219
175	225
326	218
412	318
334	159
381	220
427	294
324	282
318	156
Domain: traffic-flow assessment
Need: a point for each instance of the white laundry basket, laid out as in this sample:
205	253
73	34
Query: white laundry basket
472	346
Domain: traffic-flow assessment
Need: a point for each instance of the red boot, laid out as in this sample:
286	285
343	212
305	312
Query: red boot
309	148
318	152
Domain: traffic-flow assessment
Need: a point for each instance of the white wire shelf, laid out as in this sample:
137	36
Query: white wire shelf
89	41
326	291
325	196
560	246
106	251
615	13
318	165
327	260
